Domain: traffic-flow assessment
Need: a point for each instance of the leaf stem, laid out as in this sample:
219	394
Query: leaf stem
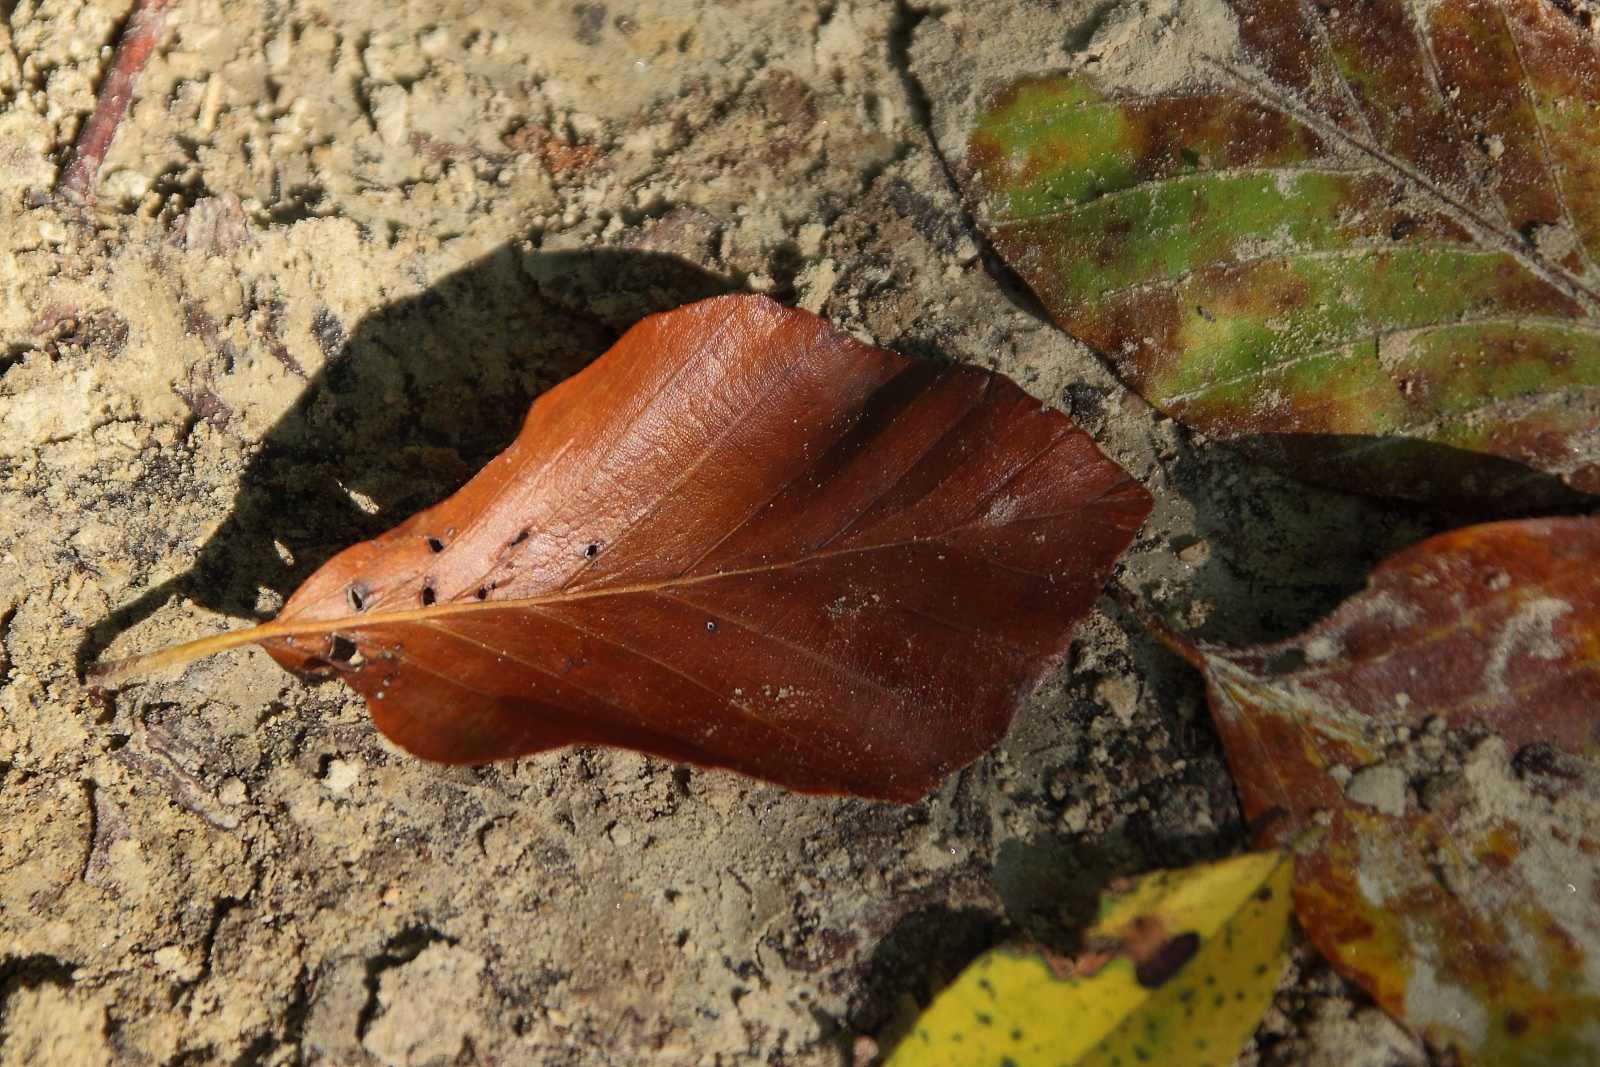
111	672
139	39
1163	630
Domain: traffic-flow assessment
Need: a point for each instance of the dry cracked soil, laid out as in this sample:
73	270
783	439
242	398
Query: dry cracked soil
337	249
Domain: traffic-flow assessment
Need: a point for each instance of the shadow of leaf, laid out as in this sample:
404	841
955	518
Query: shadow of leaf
1477	485
1048	888
409	404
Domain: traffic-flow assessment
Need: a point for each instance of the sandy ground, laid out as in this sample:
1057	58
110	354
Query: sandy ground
338	249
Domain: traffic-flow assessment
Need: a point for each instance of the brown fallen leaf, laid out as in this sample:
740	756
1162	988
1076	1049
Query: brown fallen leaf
1437	733
743	539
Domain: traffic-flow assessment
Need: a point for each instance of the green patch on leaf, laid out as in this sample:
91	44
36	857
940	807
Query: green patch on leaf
1379	238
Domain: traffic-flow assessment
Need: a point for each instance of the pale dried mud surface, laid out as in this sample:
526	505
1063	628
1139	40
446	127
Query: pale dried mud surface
337	250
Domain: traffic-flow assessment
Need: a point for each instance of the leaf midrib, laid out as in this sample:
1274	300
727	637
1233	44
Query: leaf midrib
1487	233
1328	348
1484	230
271	630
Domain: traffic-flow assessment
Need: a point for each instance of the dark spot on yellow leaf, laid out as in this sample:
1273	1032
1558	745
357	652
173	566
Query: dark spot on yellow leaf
1165	961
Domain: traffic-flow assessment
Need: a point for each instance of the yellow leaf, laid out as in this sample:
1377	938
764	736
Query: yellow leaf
1176	973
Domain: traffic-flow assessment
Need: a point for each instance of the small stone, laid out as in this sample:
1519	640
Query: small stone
1382	787
1119	694
1194	555
232	792
175	961
342	774
1075	819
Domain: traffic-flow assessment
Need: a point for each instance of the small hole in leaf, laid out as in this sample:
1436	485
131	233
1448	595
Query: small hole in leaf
435	545
521	537
1288	661
428	595
591	551
711	624
341	649
354	599
483	592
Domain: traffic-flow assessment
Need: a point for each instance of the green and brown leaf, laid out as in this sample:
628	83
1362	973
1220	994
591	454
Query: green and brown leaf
1362	245
1438	735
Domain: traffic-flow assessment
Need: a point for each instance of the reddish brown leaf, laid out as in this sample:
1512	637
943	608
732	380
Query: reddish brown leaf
740	538
1438	732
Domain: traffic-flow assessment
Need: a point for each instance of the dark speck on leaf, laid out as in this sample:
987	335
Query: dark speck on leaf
1165	961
